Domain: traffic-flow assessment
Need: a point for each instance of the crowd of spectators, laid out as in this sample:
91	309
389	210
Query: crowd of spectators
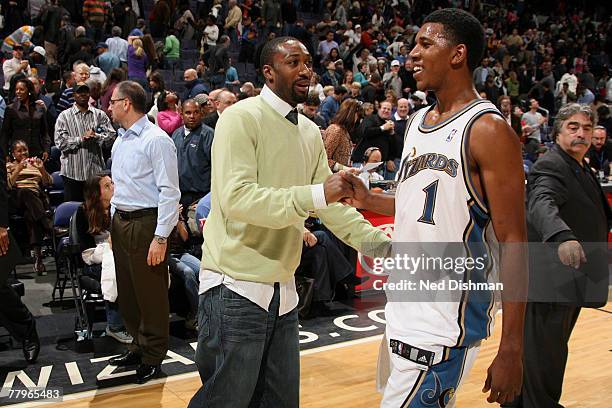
63	59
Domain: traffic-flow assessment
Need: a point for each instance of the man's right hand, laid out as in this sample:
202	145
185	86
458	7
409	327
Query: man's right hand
4	241
337	188
389	125
89	134
571	254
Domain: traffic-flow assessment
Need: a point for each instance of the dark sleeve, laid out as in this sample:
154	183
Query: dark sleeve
45	139
85	239
372	130
7	132
207	141
546	194
3	194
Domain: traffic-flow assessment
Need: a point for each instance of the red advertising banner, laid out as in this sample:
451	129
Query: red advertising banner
365	263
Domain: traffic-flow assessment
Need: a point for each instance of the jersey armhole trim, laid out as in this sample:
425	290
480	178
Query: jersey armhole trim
465	156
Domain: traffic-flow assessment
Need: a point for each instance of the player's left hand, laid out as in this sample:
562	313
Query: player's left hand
504	378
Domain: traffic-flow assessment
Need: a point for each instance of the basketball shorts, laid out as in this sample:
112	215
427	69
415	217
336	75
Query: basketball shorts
408	384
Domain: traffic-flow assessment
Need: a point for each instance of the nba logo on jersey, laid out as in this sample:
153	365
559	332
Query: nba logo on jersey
451	135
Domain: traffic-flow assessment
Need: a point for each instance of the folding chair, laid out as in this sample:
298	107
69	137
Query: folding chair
61	223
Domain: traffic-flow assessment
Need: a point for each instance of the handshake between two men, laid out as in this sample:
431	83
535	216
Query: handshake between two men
346	188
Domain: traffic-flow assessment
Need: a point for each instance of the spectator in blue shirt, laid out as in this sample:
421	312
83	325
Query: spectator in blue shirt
331	104
106	60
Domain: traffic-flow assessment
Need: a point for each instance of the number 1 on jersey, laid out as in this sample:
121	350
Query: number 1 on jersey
430	203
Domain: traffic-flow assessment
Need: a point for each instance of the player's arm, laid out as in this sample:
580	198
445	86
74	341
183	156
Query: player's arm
496	157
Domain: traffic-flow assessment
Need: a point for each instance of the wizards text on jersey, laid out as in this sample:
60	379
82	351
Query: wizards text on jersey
433	161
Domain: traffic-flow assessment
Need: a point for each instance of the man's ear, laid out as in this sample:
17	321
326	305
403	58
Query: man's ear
459	55
268	73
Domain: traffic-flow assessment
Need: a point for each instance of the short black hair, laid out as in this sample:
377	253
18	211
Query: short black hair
340	90
135	93
462	28
270	48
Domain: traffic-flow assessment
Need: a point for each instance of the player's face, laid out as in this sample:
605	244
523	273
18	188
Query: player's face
575	135
431	57
289	75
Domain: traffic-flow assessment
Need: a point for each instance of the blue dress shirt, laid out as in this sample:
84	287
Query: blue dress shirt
145	173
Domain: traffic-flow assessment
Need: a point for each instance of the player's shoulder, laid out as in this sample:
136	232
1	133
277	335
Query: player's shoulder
491	125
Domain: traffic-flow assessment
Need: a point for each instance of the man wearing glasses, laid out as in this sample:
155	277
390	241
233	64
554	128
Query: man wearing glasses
145	206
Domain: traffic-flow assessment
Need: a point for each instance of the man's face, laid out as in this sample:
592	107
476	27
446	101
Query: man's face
18	53
599	138
505	105
402	109
82	98
117	107
81	74
575	135
431	49
309	110
192	115
385	110
329	36
225	100
189	76
290	73
534	104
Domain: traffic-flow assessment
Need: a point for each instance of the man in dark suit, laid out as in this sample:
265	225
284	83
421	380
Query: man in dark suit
376	131
14	315
567	211
222	101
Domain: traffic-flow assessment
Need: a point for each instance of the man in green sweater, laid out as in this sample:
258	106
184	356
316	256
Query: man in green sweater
269	170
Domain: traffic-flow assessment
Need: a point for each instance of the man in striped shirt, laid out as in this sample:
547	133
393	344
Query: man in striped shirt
80	133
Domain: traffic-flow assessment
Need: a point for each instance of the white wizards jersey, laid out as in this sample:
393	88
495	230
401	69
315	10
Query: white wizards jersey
436	202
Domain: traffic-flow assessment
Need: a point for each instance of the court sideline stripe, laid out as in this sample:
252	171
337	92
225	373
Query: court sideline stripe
179	377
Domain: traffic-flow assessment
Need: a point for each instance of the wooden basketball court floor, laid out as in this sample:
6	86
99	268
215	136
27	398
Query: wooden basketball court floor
344	375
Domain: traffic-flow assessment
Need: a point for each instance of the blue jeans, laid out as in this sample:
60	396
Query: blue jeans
246	357
188	267
113	317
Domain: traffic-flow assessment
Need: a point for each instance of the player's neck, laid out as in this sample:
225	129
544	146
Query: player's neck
454	97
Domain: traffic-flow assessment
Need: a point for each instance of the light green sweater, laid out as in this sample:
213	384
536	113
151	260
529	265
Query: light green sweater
172	47
262	169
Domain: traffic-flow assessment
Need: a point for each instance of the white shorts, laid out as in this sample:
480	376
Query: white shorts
405	384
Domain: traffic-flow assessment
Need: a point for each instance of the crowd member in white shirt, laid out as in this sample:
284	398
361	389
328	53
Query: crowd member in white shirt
14	66
117	45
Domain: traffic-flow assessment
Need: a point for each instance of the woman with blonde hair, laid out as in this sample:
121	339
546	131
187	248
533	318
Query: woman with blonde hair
337	136
137	61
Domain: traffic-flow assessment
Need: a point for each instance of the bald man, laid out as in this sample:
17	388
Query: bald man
222	101
400	118
193	85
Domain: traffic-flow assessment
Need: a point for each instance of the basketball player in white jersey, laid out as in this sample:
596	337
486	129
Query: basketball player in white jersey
461	180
